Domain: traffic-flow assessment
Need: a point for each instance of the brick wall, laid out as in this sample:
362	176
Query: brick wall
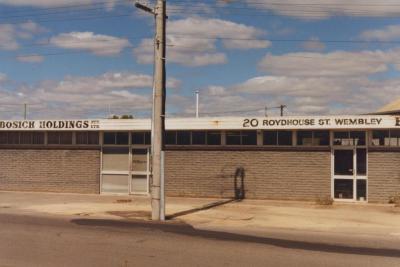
55	170
301	175
383	175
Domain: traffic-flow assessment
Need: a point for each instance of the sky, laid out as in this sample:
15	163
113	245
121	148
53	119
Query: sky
94	58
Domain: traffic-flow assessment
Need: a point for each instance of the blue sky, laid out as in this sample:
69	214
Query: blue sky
93	58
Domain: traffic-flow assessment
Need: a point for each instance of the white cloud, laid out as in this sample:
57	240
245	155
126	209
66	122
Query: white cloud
8	37
30	58
174	10
80	97
28	29
302	95
192	41
10	33
315	9
102	45
388	33
337	63
314	44
217	28
3	78
51	3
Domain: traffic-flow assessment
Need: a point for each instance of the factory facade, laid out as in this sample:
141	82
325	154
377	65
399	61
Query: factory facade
348	158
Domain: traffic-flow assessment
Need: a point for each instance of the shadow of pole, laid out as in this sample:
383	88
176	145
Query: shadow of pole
239	195
205	207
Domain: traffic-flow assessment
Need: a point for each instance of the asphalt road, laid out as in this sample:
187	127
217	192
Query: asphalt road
27	240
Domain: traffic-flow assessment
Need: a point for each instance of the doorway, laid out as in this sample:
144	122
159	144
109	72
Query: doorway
350	174
140	171
349	166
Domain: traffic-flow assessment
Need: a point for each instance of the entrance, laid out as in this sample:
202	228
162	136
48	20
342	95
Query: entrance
140	171
350	171
125	170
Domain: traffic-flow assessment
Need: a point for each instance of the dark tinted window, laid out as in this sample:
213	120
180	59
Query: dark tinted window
358	138
170	138
313	138
249	138
13	138
199	138
59	138
183	138
379	137
214	138
3	138
304	138
321	138
284	138
109	138
87	138
141	138
122	138
270	138
233	138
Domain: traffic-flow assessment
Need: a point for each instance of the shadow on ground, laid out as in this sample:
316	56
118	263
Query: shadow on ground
188	230
204	207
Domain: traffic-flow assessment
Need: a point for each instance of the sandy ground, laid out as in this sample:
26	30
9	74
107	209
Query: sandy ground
250	215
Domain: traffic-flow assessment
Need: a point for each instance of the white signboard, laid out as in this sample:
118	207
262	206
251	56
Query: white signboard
331	122
216	123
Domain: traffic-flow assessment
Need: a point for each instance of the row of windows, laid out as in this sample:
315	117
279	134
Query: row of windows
122	138
53	138
386	138
213	138
270	138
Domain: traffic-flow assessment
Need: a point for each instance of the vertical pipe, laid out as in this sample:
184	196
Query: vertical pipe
197	103
25	111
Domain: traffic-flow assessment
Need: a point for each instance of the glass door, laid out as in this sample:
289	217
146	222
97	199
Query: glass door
349	165
350	174
140	171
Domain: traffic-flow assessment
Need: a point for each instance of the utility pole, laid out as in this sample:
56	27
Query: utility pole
25	111
197	103
158	118
282	107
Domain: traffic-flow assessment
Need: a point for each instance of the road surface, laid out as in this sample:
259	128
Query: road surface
27	240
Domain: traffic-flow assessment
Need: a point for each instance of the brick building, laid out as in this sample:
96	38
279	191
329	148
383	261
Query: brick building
350	158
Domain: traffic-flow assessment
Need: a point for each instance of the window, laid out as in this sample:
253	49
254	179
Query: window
386	138
193	138
353	138
277	138
23	138
32	138
3	138
59	138
170	138
214	138
313	138
13	138
379	137
241	138
87	138
141	138
116	138
183	138
199	138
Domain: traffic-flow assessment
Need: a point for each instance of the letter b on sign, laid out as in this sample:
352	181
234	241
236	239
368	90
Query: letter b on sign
397	121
